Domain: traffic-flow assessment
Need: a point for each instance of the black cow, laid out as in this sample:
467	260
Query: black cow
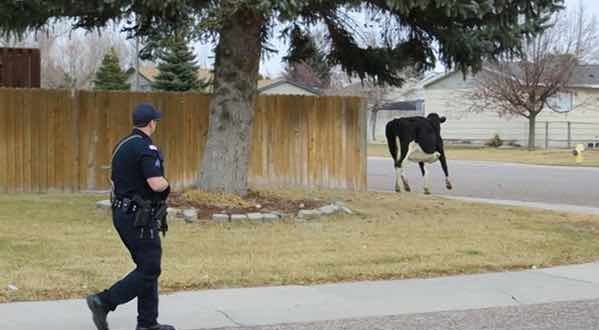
419	141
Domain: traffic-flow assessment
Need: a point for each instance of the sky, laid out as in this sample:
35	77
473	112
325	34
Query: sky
273	66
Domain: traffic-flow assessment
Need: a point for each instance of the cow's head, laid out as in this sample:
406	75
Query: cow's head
436	121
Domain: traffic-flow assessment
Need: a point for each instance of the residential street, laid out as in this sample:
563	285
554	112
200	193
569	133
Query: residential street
516	182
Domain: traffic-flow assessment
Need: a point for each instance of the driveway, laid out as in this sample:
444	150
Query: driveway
489	180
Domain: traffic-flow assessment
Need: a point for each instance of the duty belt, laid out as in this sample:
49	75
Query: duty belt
124	203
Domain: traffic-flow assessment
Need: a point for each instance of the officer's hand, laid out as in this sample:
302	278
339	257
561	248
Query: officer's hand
164	194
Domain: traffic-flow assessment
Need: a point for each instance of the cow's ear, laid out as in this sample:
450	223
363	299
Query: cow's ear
442	120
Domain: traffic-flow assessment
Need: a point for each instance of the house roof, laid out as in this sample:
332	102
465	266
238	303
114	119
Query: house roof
266	84
150	72
586	75
437	78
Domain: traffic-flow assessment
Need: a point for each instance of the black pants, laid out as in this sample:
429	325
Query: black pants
142	283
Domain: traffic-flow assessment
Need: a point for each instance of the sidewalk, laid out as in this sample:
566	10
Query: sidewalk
290	304
534	205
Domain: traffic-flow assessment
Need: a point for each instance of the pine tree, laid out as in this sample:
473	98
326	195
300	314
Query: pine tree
177	68
313	69
110	76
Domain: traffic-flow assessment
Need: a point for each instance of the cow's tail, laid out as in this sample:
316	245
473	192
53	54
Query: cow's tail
391	134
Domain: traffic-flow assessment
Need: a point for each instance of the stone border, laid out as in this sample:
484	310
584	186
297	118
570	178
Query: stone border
327	210
190	215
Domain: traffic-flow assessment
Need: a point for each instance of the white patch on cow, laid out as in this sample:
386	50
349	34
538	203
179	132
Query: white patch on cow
416	154
401	173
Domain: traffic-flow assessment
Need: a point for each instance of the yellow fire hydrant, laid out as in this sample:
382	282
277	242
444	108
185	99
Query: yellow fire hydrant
578	153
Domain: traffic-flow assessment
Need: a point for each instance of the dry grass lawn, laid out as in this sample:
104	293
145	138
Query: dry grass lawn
59	246
559	157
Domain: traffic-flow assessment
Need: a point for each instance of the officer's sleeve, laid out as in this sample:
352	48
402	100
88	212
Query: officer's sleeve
151	164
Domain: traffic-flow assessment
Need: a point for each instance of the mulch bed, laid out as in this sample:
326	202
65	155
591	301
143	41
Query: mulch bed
209	204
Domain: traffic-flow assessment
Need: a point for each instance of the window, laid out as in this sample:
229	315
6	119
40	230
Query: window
561	102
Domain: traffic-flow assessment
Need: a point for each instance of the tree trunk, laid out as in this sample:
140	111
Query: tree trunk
373	122
532	123
232	107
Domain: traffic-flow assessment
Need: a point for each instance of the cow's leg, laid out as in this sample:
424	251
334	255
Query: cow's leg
405	154
397	176
426	175
443	162
399	164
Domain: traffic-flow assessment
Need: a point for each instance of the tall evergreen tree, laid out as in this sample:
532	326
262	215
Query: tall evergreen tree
177	68
110	76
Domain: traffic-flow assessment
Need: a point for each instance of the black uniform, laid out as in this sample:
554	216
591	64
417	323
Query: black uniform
136	159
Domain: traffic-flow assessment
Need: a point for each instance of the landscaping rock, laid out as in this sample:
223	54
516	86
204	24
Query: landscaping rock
239	217
270	217
219	217
329	209
340	204
309	214
104	205
190	215
278	214
255	216
172	213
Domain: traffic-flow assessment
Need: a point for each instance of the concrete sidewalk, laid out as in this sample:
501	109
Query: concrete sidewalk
291	304
534	205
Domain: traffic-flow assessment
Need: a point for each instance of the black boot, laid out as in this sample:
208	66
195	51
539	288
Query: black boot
99	311
157	327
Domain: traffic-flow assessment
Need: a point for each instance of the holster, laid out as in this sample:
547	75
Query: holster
160	215
143	214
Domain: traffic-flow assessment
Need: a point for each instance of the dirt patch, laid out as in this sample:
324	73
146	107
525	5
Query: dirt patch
211	203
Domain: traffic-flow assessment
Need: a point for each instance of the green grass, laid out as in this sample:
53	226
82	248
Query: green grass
59	246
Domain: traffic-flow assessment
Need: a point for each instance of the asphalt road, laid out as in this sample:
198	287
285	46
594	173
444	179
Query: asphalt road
579	315
527	183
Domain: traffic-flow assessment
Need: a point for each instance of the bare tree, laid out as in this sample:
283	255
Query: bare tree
527	85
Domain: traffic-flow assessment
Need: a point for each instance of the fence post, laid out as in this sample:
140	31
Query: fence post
569	134
546	135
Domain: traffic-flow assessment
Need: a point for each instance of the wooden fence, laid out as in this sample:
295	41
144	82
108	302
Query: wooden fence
52	140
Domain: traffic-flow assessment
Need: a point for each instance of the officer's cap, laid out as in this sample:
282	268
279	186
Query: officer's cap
144	113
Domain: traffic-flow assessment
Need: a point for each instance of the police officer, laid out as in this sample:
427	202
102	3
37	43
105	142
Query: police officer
138	183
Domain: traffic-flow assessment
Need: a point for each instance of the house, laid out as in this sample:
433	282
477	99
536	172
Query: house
147	74
574	119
